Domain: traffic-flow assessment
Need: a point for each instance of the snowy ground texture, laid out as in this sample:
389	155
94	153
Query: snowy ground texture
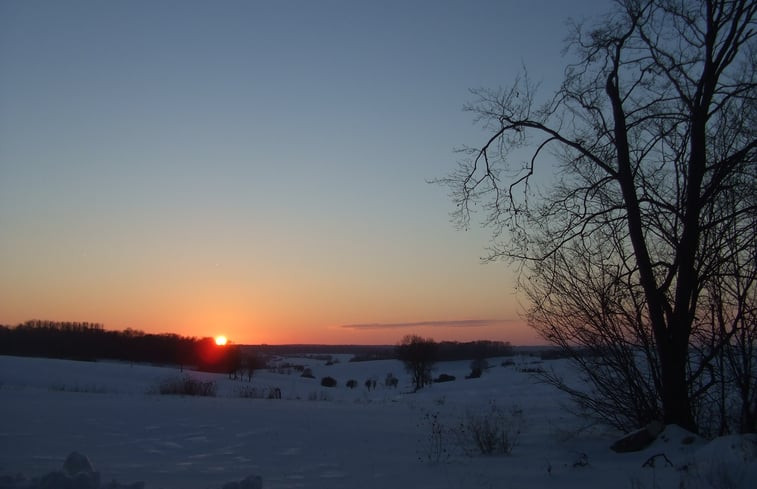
318	437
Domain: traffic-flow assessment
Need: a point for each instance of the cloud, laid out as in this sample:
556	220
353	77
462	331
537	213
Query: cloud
462	323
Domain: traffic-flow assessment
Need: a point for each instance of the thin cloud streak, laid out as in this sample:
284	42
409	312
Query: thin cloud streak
463	323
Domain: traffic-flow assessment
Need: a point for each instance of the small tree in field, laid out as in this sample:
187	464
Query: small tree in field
419	355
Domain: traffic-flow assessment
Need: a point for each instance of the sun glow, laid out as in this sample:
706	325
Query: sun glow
221	340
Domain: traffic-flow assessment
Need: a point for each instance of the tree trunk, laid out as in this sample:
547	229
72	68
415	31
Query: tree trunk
672	341
676	405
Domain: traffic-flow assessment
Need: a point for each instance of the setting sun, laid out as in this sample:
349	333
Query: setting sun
221	340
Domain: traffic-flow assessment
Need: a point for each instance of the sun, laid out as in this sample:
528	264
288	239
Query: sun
221	340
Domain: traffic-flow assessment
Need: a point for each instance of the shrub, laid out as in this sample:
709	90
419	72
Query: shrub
444	378
249	392
87	388
391	380
495	430
531	370
352	383
307	373
434	448
187	386
474	373
477	368
328	382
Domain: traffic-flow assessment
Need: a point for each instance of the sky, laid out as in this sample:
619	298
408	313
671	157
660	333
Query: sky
257	169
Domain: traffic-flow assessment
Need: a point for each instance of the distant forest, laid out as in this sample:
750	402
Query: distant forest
90	341
446	350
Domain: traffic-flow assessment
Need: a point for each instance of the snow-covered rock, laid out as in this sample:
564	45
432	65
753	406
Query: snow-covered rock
638	440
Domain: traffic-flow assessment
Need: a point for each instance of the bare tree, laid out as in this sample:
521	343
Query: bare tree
250	362
583	302
654	131
419	356
729	306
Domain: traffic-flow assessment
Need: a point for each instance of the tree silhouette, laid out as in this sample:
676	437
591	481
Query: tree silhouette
419	355
630	251
90	341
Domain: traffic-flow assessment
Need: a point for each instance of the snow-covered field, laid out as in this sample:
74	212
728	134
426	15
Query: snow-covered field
318	437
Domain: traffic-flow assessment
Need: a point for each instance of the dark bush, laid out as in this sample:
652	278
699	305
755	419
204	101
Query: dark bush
307	373
352	383
249	392
444	378
490	431
328	382
474	373
391	380
531	370
187	386
477	368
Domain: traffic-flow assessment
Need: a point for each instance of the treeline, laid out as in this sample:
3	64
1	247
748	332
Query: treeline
90	341
375	352
448	351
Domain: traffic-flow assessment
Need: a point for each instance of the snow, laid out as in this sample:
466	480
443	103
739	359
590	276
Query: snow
319	437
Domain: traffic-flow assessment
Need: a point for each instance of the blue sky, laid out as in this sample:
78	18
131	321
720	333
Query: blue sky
255	168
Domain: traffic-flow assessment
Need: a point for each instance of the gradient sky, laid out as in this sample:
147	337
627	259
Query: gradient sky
256	169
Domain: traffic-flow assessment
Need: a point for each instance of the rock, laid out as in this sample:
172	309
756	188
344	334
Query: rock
638	440
676	436
77	463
